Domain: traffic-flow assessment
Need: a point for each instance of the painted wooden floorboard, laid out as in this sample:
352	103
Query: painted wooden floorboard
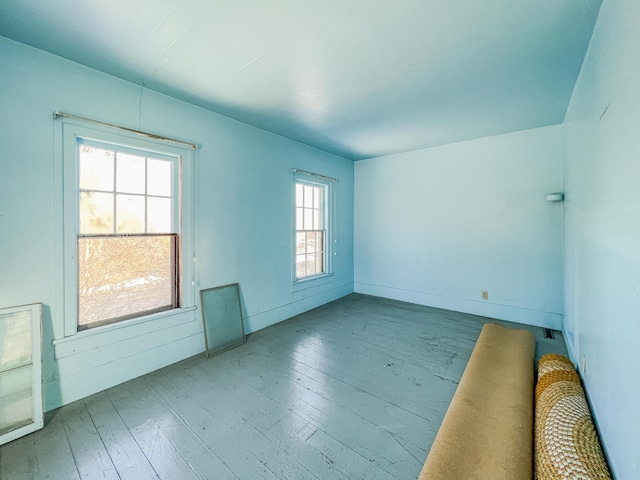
125	453
355	389
19	459
357	401
284	389
282	426
387	378
87	447
166	442
266	415
55	459
318	409
190	401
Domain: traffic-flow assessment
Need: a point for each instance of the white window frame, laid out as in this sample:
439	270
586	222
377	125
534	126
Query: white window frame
68	133
328	184
33	366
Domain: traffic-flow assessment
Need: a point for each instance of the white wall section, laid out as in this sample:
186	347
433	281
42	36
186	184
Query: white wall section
602	230
439	226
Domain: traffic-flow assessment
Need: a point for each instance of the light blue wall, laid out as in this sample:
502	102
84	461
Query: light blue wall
242	216
440	225
602	230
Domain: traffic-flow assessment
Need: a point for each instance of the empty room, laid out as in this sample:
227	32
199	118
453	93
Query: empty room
319	240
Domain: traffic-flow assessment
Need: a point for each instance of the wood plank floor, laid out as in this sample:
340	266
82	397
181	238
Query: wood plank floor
355	389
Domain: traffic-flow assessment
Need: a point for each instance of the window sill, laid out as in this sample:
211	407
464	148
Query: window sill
116	332
307	283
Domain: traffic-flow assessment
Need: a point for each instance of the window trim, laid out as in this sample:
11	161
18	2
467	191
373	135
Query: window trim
66	135
309	178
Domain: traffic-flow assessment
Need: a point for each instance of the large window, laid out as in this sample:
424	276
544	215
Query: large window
123	228
312	226
128	239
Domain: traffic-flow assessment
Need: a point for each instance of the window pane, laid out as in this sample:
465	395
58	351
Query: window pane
317	219
311	264
299	215
159	215
308	219
96	168
300	266
301	244
16	398
159	177
319	242
308	196
317	197
311	242
96	212
15	340
130	170
130	213
299	194
109	288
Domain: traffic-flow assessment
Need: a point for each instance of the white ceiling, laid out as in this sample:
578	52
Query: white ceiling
359	78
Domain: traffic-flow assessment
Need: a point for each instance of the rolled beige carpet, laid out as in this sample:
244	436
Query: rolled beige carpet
487	432
566	442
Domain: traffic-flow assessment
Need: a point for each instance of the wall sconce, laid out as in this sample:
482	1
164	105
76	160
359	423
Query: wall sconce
554	197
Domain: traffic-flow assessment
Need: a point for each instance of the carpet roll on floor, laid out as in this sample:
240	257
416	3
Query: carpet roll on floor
566	442
487	432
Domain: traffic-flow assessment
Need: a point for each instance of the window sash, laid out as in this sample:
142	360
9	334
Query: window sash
117	194
127	292
105	295
310	252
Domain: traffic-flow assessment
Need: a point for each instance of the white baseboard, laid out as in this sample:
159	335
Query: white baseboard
253	323
483	308
67	389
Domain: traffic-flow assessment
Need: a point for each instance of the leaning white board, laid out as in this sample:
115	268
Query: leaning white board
21	409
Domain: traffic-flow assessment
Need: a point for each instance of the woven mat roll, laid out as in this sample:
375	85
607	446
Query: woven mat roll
487	432
566	442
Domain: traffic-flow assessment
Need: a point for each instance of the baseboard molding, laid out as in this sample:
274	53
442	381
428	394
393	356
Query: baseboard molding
70	388
483	308
256	322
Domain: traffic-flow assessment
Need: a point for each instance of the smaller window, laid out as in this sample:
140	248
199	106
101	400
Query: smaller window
312	235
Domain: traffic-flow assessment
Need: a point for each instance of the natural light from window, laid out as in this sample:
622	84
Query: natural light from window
310	231
127	242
